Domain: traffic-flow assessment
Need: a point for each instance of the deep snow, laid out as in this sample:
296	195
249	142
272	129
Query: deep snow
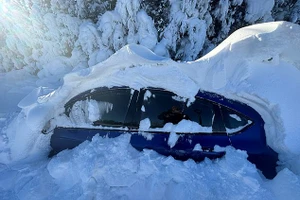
257	65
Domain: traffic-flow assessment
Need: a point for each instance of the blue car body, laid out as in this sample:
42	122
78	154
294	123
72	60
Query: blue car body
232	123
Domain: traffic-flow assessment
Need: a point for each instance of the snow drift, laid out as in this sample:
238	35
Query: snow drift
260	66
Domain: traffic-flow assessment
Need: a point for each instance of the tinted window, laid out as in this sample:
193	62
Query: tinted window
107	107
206	114
162	107
201	112
234	121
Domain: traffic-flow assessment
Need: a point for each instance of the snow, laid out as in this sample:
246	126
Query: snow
172	140
256	11
187	25
259	78
184	126
257	65
234	116
234	130
112	169
145	124
197	147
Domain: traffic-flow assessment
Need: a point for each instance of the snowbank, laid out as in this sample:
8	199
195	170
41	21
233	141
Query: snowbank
112	169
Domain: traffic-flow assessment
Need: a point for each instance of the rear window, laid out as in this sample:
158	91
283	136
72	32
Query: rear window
234	121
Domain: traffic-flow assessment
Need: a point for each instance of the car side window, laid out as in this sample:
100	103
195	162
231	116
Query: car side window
105	107
162	107
207	115
234	121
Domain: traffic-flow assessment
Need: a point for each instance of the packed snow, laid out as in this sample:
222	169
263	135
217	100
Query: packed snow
258	65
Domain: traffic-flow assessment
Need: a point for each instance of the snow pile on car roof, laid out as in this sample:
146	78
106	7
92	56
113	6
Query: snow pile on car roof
136	67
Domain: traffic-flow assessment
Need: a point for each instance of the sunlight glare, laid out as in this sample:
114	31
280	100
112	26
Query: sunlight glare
18	23
3	7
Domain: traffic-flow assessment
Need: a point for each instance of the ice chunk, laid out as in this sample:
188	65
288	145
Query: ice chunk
197	147
145	124
147	95
172	140
40	93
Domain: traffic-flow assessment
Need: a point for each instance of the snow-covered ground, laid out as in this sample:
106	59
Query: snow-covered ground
259	65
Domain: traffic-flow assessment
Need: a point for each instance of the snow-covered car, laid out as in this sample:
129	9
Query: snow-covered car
167	123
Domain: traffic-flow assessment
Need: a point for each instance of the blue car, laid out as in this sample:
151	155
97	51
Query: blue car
167	123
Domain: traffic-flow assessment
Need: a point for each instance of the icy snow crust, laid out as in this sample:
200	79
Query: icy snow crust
258	65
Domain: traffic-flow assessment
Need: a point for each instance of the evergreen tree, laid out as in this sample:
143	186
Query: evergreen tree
81	33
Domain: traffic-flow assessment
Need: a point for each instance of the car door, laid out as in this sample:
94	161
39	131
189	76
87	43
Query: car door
211	130
100	111
170	127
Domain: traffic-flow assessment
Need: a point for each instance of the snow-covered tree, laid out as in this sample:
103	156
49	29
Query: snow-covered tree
185	34
159	11
128	23
287	10
34	34
226	16
84	9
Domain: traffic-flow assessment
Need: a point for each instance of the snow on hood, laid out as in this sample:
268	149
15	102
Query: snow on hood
258	65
